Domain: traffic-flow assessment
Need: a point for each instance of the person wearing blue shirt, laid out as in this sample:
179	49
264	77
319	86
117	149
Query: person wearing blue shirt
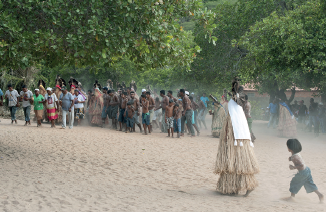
67	105
273	109
204	99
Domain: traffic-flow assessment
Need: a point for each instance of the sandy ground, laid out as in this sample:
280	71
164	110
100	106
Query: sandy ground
94	169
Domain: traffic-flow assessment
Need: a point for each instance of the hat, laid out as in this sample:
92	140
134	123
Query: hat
63	88
192	93
143	90
187	93
72	86
36	89
49	89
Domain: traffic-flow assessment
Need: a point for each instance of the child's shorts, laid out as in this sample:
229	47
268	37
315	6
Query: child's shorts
146	119
303	178
130	122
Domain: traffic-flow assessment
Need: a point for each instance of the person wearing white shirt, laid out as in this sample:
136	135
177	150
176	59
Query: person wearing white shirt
27	98
12	97
79	106
52	106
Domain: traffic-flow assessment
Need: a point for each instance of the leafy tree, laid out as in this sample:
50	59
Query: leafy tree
219	63
289	50
92	32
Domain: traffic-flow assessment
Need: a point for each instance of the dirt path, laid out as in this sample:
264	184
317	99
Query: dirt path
94	169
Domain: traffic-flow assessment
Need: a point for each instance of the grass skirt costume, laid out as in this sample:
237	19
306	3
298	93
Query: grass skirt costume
219	116
235	162
287	126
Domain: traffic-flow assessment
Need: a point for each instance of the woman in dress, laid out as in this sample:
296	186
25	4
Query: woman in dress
287	125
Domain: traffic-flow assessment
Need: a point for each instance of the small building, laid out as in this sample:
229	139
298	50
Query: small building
300	94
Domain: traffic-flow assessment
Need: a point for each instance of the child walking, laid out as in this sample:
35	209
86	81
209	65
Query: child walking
129	114
303	177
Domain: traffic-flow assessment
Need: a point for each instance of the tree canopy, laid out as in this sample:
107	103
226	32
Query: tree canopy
93	32
287	50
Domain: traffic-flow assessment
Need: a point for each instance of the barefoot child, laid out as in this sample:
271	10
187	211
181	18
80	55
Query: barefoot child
169	117
145	114
303	177
129	114
177	119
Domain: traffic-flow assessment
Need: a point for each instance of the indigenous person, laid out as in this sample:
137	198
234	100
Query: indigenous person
219	115
52	106
123	105
1	98
67	105
12	97
175	100
313	113
177	113
143	92
194	107
186	114
150	108
129	115
247	110
38	106
96	108
321	117
145	114
295	108
157	113
135	105
169	117
273	110
236	162
79	101
27	98
113	108
287	125
201	112
204	99
303	110
164	103
106	106
303	177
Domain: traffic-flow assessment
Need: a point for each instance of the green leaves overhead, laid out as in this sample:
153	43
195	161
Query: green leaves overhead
289	49
90	32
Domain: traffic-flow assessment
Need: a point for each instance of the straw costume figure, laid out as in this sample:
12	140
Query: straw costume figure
236	162
219	115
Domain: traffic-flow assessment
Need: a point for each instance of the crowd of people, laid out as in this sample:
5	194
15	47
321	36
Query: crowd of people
122	110
308	118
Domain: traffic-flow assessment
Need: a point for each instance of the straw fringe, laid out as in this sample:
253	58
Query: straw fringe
236	165
234	183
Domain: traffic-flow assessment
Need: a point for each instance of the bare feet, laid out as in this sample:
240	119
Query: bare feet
289	199
321	198
15	121
247	193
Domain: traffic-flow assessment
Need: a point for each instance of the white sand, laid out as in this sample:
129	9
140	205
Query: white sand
94	169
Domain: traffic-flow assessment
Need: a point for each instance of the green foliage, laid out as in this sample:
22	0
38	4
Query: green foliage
219	63
92	32
287	50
